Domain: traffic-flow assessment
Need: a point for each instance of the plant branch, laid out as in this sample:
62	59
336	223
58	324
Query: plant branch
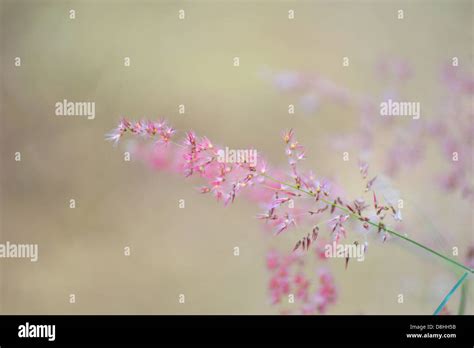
390	231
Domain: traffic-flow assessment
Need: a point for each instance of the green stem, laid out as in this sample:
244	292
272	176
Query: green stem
462	303
357	216
450	293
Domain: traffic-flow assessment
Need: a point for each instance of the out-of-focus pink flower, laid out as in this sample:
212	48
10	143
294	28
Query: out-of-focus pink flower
288	278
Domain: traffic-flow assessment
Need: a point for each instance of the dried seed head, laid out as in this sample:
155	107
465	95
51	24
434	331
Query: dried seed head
350	208
287	136
363	168
315	232
370	183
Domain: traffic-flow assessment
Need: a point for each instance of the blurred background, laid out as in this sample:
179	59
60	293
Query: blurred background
190	251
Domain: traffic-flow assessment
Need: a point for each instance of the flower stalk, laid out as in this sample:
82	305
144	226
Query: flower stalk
358	217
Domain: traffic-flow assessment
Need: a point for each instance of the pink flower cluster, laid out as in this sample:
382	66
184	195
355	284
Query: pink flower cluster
296	200
144	128
453	130
224	180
